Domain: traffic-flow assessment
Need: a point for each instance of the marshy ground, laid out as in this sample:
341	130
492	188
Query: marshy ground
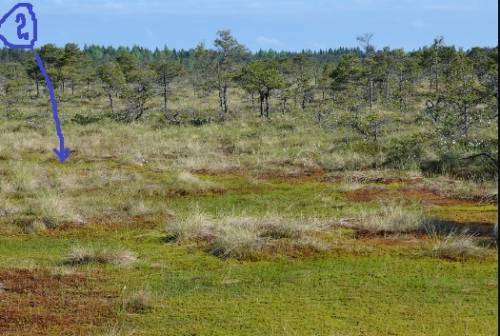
213	231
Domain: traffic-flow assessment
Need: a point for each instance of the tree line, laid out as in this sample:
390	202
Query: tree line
451	88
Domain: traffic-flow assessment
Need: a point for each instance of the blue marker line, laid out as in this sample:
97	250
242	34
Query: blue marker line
23	41
62	152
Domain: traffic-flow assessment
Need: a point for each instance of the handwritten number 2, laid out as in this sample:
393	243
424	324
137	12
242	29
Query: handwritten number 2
20	18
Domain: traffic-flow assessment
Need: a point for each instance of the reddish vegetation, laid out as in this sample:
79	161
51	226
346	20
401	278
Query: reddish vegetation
111	222
372	179
478	217
222	172
409	241
36	302
299	174
171	193
424	195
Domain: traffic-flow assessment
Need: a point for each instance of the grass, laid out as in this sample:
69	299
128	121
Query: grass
82	256
195	293
139	302
248	238
238	233
393	218
457	248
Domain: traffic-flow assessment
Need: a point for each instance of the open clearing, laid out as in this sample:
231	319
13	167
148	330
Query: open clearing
103	247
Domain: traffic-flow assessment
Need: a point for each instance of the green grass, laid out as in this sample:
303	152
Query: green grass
197	294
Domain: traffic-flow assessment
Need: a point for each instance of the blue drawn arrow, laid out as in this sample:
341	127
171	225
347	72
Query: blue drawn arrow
62	152
25	18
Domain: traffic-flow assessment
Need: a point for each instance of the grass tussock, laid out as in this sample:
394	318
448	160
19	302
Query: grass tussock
53	209
248	237
139	208
84	255
190	183
8	209
460	247
35	227
139	302
392	218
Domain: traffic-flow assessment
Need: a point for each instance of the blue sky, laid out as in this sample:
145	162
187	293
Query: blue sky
276	24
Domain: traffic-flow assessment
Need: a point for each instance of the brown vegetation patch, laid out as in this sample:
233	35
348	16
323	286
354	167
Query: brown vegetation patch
479	217
389	238
113	222
36	302
423	195
180	192
198	193
367	194
295	175
409	241
386	180
220	172
269	174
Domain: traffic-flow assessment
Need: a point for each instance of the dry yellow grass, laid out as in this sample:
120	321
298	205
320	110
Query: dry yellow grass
86	255
248	237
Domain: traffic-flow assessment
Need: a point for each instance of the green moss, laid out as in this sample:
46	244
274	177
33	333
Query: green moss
196	294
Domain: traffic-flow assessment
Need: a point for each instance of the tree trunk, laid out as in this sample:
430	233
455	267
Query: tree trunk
370	93
466	122
165	99
141	112
221	103
375	136
224	95
223	100
401	99
267	104
436	74
261	100
110	97
386	88
284	106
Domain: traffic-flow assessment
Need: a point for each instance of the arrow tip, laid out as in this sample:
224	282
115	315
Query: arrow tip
62	153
